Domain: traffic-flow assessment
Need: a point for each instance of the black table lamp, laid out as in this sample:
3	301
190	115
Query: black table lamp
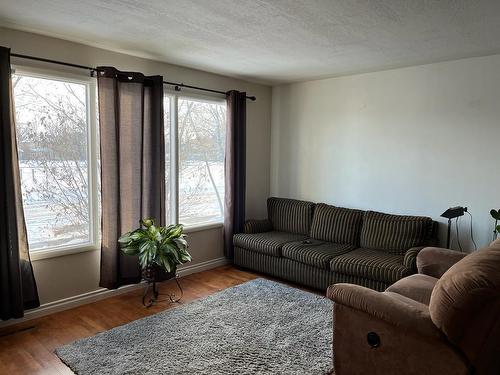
452	213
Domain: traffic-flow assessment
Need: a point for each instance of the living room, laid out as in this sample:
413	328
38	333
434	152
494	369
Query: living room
266	187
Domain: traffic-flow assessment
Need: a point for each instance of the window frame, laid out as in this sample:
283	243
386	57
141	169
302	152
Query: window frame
92	157
174	154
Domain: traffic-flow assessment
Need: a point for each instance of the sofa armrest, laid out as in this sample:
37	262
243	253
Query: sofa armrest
435	261
258	226
400	312
410	259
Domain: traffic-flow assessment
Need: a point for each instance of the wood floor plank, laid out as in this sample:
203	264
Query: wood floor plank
32	351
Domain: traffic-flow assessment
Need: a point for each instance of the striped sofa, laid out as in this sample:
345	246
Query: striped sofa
317	244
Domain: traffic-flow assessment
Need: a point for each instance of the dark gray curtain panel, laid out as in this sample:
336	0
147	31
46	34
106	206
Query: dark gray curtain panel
235	169
132	165
18	290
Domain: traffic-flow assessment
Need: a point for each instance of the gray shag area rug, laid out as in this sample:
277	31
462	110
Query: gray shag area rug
259	327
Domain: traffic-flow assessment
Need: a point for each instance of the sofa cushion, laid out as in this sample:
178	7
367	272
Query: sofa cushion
336	224
371	264
417	287
269	243
314	253
395	233
290	215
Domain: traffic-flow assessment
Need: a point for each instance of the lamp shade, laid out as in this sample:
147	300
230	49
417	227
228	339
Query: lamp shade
454	212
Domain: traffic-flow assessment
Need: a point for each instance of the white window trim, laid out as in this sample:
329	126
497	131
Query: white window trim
174	155
202	227
92	152
185	93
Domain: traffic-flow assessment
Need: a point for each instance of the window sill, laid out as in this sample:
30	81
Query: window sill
59	252
202	227
63	251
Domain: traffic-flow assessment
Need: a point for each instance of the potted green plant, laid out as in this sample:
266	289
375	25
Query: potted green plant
495	214
160	249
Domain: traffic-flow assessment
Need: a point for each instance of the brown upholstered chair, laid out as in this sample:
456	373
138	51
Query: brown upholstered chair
445	320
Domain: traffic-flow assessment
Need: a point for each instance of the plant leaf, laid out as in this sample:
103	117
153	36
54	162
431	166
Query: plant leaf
154	233
147	222
164	262
175	232
167	265
172	250
130	250
138	234
143	261
181	242
125	238
495	214
147	252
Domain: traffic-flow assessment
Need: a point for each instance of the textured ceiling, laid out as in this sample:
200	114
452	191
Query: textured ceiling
271	41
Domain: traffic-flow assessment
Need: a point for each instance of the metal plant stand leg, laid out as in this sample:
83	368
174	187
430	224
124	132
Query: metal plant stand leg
172	296
155	293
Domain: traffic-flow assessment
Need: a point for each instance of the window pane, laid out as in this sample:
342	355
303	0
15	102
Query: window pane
202	128
52	136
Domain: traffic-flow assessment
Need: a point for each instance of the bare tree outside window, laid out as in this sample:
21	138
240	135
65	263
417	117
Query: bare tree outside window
52	132
202	132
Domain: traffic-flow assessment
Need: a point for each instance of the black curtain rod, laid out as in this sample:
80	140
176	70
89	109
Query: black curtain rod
177	86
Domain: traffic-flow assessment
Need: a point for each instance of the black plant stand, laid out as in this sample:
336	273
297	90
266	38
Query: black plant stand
172	298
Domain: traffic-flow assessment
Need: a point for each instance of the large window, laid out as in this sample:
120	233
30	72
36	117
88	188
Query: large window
55	119
196	128
56	133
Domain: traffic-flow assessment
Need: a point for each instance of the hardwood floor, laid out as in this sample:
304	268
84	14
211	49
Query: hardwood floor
31	351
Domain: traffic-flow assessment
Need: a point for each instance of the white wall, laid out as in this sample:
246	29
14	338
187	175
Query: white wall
70	275
412	141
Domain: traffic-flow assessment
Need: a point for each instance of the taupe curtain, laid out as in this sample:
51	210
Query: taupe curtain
235	169
132	165
18	288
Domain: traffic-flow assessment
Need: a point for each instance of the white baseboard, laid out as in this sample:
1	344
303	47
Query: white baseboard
102	293
202	266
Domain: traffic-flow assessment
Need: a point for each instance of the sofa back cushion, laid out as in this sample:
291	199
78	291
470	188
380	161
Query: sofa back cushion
465	306
290	215
395	233
336	224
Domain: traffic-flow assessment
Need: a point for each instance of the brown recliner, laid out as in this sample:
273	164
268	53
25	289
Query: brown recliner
445	320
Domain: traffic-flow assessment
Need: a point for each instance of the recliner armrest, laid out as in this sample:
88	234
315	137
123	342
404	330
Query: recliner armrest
258	226
398	311
435	261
